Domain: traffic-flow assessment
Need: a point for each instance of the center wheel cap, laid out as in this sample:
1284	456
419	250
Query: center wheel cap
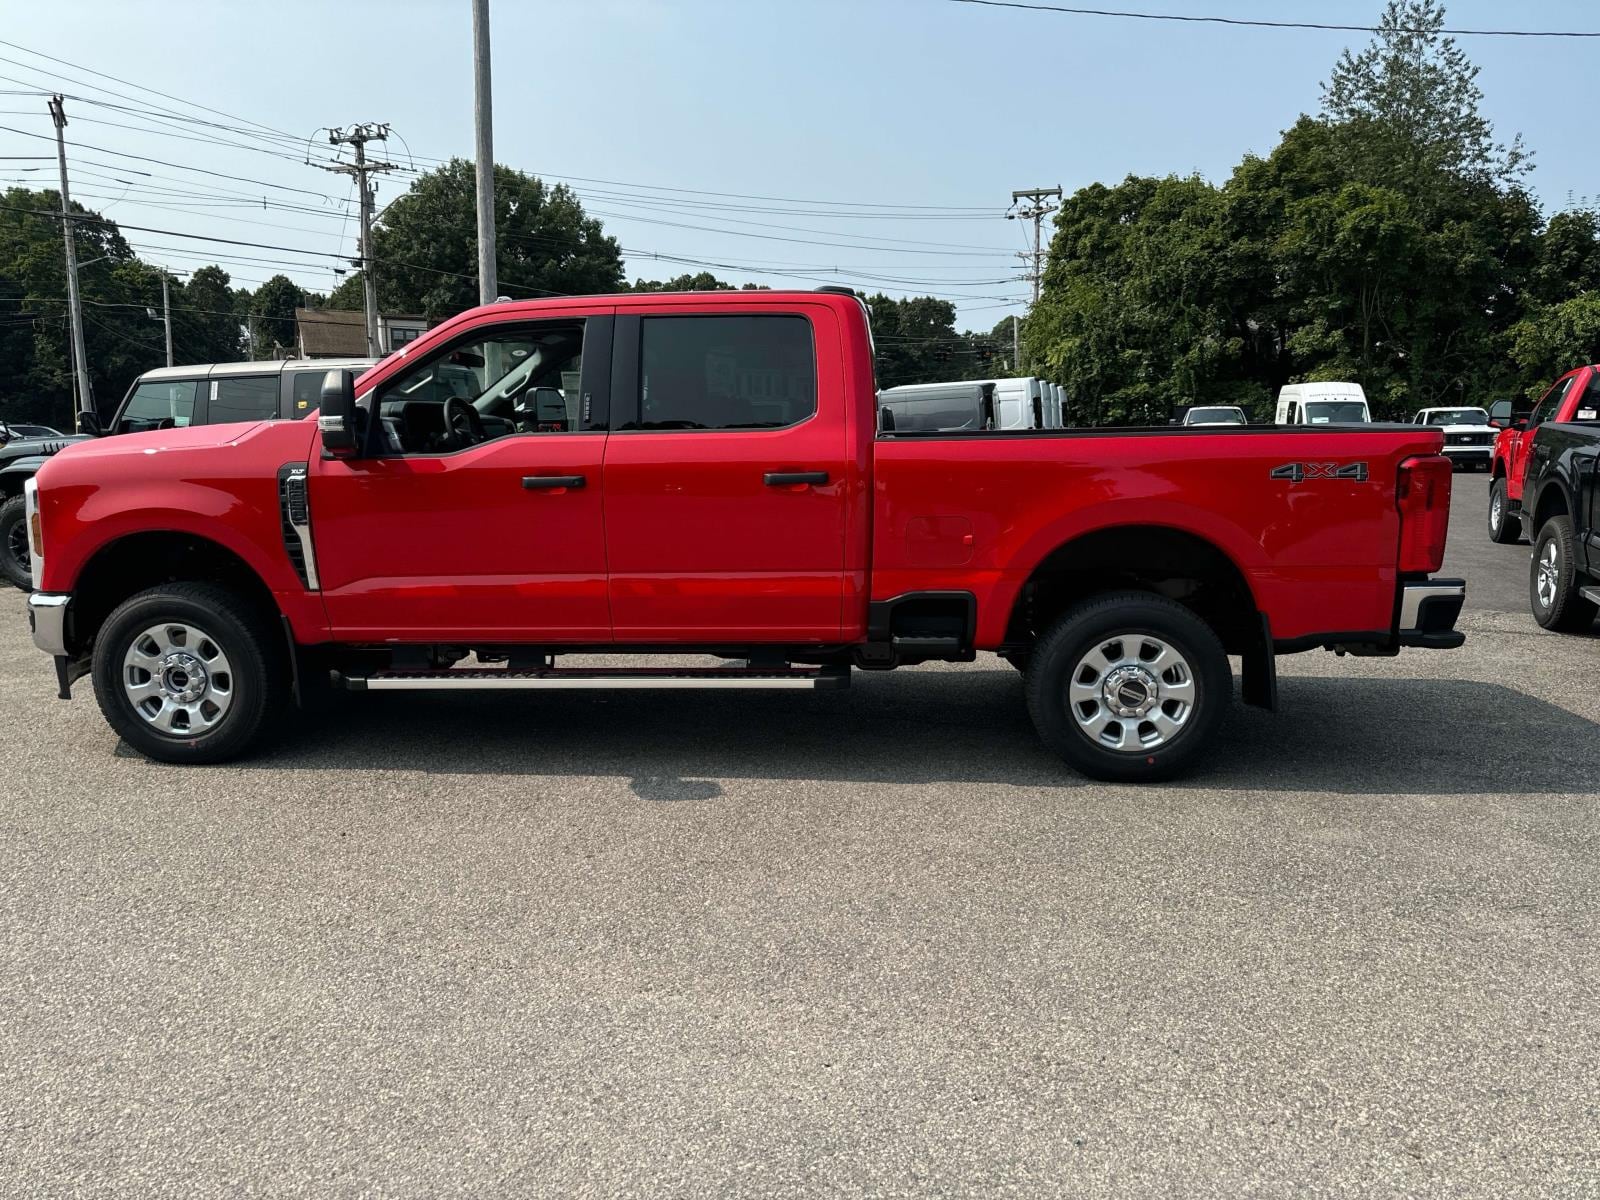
183	677
1131	691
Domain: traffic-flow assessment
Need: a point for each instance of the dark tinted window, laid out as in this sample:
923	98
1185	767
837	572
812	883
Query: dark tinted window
757	372
1545	410
307	391
243	398
158	405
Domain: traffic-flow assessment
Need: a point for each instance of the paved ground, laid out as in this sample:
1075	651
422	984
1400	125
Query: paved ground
878	943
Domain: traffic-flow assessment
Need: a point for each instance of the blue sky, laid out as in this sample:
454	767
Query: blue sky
866	102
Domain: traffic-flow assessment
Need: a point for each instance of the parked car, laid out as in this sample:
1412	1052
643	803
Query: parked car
1215	415
167	397
1575	392
1561	512
1322	404
717	487
1468	435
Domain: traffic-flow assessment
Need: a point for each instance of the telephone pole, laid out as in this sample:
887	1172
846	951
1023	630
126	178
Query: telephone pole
483	114
166	315
358	136
1033	210
58	114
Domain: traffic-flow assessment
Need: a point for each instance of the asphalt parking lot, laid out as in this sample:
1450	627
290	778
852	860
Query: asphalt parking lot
871	943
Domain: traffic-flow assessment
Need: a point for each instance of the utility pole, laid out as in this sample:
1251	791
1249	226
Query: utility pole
1033	210
1016	343
483	115
166	315
58	114
358	136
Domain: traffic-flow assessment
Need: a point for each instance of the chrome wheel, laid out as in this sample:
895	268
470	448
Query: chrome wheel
1132	692
177	678
1494	512
1547	574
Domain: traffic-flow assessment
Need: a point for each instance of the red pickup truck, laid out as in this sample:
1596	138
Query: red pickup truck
1577	390
704	473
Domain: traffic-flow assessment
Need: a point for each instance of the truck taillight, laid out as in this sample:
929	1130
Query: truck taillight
1424	504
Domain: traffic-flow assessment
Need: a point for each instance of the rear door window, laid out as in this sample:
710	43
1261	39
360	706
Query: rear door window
243	398
733	372
164	404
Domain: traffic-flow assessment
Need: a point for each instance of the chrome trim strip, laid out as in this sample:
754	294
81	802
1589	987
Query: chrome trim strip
47	613
1413	594
302	529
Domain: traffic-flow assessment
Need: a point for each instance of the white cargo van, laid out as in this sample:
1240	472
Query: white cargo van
935	407
1322	404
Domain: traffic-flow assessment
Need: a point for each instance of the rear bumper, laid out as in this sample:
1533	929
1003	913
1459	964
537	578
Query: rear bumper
1429	609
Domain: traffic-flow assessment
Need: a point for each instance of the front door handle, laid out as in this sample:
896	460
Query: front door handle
532	482
783	478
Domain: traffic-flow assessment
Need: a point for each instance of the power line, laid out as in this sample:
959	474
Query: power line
1262	24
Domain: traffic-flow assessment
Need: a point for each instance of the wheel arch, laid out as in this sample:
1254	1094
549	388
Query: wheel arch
126	565
1552	501
1177	563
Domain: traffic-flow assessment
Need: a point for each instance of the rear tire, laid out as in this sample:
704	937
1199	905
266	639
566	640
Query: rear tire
189	673
1553	580
15	566
1128	687
1504	527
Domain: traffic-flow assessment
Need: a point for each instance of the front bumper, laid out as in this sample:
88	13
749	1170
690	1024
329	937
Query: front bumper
1474	454
47	617
1428	612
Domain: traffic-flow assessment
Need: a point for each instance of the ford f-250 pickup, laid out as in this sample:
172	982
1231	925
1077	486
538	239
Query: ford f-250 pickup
1576	391
705	473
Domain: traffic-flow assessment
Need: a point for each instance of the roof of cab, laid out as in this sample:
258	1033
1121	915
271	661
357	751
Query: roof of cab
273	367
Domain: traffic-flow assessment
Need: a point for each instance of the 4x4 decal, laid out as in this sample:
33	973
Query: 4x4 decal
1300	472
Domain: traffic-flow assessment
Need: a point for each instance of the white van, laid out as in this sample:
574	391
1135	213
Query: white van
1018	403
936	407
1322	404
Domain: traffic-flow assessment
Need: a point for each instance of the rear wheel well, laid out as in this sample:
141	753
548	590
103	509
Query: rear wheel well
144	560
1151	558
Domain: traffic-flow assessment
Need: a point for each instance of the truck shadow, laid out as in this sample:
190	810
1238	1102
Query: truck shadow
1357	736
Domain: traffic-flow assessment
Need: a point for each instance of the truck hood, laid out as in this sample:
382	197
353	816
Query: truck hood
192	437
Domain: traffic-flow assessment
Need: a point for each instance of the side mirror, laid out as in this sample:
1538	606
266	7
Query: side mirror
5	433
1519	424
336	419
89	422
886	420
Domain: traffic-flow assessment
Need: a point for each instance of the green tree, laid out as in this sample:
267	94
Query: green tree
704	281
1409	107
206	318
1555	338
272	306
425	246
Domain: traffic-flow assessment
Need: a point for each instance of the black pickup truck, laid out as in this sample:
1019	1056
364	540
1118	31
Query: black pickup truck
1561	515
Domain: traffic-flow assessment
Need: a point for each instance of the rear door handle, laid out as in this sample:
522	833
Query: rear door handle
783	478
532	482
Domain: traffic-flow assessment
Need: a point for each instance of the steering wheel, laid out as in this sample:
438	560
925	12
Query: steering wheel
463	426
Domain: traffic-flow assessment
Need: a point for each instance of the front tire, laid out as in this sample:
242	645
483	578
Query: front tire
16	568
189	673
1128	687
1504	527
1553	580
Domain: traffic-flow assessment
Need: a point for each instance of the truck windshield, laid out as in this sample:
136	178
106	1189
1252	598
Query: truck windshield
1458	416
1216	416
1335	412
